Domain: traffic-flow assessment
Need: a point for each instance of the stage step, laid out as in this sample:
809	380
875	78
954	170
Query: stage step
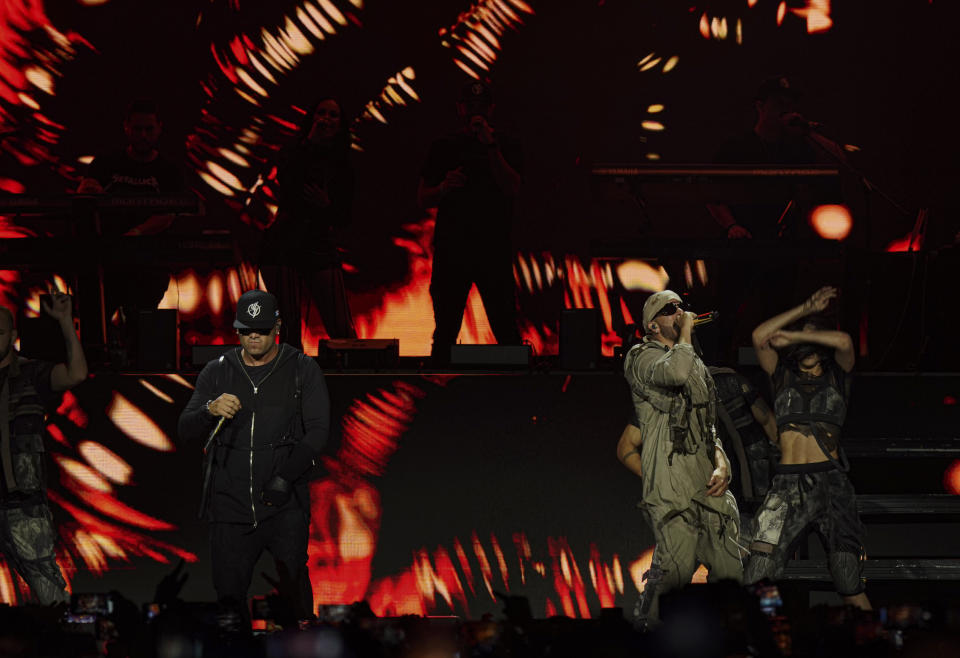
923	504
888	569
900	448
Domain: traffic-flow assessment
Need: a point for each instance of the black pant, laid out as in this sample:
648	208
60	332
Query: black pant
455	270
236	547
322	285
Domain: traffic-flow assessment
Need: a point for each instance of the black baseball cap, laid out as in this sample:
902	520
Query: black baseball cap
777	85
476	92
256	309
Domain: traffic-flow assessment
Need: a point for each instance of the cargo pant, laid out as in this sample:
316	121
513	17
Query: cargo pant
808	498
27	540
698	535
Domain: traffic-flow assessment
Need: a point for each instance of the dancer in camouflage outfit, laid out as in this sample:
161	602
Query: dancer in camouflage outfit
27	388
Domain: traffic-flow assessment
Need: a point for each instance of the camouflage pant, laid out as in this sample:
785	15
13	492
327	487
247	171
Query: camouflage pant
27	539
806	498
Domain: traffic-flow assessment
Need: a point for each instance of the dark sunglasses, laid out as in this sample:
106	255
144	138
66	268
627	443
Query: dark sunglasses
670	309
248	331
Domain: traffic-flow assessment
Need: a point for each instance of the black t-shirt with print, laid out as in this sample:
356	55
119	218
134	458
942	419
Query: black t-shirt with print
120	175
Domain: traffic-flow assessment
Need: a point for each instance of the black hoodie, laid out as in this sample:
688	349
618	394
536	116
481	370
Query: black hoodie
262	440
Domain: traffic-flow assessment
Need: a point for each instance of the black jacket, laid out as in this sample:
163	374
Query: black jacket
264	439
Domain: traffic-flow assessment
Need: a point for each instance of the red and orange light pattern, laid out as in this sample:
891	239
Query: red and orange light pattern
816	13
476	35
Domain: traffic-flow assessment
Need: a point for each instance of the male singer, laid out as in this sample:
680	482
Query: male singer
694	517
473	179
264	413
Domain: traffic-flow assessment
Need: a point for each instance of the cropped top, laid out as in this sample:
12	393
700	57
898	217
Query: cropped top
802	401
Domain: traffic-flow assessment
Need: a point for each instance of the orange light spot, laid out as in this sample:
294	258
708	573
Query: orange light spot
702	272
618	573
652	126
781	13
156	391
705	26
215	184
139	427
951	478
180	380
8	593
83	474
700	576
501	561
311	26
295	39
39	78
485	570
831	221
104	460
90	552
649	65
640	275
333	12
639	567
319	18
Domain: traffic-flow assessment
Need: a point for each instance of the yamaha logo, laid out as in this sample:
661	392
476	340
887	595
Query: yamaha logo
254	309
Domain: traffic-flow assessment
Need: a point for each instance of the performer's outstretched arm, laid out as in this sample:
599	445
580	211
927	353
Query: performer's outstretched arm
840	341
762	335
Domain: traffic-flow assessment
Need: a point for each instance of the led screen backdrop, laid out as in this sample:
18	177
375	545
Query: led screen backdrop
578	82
442	490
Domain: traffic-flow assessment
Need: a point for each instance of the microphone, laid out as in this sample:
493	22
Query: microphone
216	429
705	318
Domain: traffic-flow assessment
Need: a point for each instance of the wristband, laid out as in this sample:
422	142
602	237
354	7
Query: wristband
207	407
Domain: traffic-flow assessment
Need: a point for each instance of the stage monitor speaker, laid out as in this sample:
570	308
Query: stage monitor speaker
359	353
580	347
201	354
41	338
490	355
158	340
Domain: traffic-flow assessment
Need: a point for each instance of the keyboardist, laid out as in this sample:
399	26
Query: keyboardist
778	137
138	170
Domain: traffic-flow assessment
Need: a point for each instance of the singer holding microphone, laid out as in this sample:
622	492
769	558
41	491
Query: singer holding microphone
685	471
473	179
262	412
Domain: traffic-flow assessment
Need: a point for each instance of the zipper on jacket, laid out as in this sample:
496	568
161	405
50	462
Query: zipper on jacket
253	419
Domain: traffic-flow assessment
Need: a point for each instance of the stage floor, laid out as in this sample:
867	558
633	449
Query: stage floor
442	490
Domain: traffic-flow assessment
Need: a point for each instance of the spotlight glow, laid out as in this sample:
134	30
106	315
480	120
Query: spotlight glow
831	221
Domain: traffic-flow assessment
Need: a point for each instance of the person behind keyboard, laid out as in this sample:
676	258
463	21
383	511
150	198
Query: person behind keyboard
136	170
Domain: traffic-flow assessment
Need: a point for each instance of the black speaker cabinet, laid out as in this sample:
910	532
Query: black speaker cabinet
158	340
579	339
